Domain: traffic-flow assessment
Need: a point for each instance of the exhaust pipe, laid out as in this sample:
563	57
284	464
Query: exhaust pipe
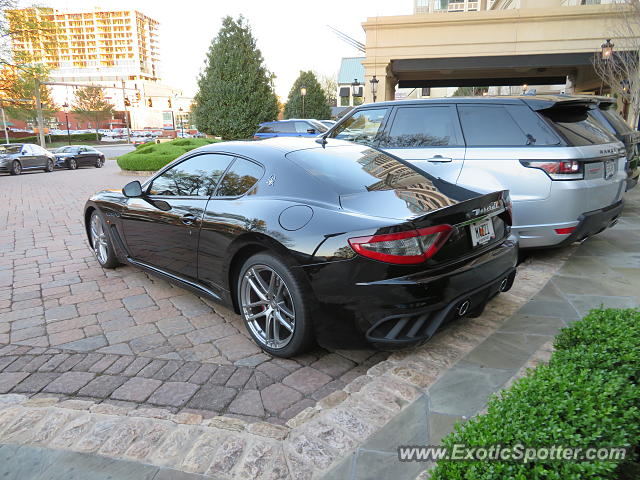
463	308
503	284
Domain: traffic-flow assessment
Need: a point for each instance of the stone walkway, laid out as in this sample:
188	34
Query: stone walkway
70	328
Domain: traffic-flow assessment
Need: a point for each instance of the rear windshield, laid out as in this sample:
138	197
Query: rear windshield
320	127
616	121
577	127
354	169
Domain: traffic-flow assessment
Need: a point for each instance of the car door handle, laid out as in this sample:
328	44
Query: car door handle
188	219
439	159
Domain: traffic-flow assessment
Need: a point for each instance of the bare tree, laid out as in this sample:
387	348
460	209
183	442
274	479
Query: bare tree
329	84
619	68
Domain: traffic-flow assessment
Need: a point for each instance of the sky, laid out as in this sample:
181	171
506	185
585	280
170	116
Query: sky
292	35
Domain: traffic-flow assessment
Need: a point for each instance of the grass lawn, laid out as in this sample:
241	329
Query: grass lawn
154	156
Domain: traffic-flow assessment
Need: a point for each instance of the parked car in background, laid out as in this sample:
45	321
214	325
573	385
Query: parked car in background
344	244
18	157
606	114
328	123
565	172
290	128
74	156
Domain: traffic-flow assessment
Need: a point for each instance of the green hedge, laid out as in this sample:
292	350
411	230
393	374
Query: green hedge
76	138
587	396
154	156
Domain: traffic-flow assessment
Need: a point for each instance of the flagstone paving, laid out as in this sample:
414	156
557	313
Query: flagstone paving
70	328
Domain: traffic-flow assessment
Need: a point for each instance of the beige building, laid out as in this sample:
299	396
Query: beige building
503	43
111	48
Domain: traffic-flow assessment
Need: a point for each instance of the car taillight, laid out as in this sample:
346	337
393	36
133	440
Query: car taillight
565	231
558	169
410	247
506	200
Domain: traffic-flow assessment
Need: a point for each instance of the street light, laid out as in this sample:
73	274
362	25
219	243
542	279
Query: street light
374	87
181	121
65	109
303	92
525	87
355	88
607	49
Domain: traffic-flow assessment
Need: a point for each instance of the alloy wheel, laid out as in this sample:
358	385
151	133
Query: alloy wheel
49	167
72	164
267	306
17	168
99	239
99	163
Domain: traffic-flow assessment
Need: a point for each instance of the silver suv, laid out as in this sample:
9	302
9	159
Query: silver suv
565	172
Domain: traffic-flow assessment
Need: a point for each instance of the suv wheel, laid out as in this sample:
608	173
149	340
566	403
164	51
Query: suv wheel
275	306
72	164
49	166
16	168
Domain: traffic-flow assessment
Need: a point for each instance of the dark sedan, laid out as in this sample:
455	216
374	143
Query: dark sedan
16	158
340	242
74	156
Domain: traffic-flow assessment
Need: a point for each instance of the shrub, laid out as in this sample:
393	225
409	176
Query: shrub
587	396
75	138
152	157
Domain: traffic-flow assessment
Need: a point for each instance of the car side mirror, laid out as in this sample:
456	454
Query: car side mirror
132	189
311	130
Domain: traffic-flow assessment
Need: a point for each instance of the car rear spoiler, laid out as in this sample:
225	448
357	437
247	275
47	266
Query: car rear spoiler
537	103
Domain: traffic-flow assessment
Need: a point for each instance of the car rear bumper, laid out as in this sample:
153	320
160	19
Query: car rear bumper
586	225
407	310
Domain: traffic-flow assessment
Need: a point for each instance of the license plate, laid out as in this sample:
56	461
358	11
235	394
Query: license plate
482	232
609	168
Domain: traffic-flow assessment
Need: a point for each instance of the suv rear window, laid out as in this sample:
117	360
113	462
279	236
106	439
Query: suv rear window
577	126
616	121
504	126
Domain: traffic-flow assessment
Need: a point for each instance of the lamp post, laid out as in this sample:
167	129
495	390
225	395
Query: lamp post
374	87
303	92
181	121
606	53
607	49
355	89
525	87
65	109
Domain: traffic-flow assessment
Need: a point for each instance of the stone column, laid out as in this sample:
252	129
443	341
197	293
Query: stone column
570	86
386	83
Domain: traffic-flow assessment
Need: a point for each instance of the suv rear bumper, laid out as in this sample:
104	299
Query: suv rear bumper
592	223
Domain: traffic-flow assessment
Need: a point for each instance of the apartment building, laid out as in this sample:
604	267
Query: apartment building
444	6
112	48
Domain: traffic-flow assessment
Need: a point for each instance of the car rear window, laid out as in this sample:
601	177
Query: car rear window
353	169
504	126
577	127
616	121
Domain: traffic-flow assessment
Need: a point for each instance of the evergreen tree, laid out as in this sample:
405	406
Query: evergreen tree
235	90
315	105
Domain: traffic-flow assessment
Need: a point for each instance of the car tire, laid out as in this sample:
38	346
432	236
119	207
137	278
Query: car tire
16	168
99	162
286	327
49	166
100	241
72	164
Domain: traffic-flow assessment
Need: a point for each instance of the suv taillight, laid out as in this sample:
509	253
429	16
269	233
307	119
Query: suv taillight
410	247
558	169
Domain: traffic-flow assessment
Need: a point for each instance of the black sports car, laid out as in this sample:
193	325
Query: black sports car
74	156
337	241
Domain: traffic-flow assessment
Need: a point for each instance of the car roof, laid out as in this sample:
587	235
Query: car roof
276	145
536	102
288	120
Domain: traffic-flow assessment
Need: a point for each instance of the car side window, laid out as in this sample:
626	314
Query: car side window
240	177
26	150
362	127
503	126
302	127
194	177
285	127
430	126
266	129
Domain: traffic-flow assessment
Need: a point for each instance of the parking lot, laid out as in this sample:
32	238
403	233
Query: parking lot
70	328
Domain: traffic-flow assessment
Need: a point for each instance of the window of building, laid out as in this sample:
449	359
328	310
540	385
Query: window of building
195	177
242	175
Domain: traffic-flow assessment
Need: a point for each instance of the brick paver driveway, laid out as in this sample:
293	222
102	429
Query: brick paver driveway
70	328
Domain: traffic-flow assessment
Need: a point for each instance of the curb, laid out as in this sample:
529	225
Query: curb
140	173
